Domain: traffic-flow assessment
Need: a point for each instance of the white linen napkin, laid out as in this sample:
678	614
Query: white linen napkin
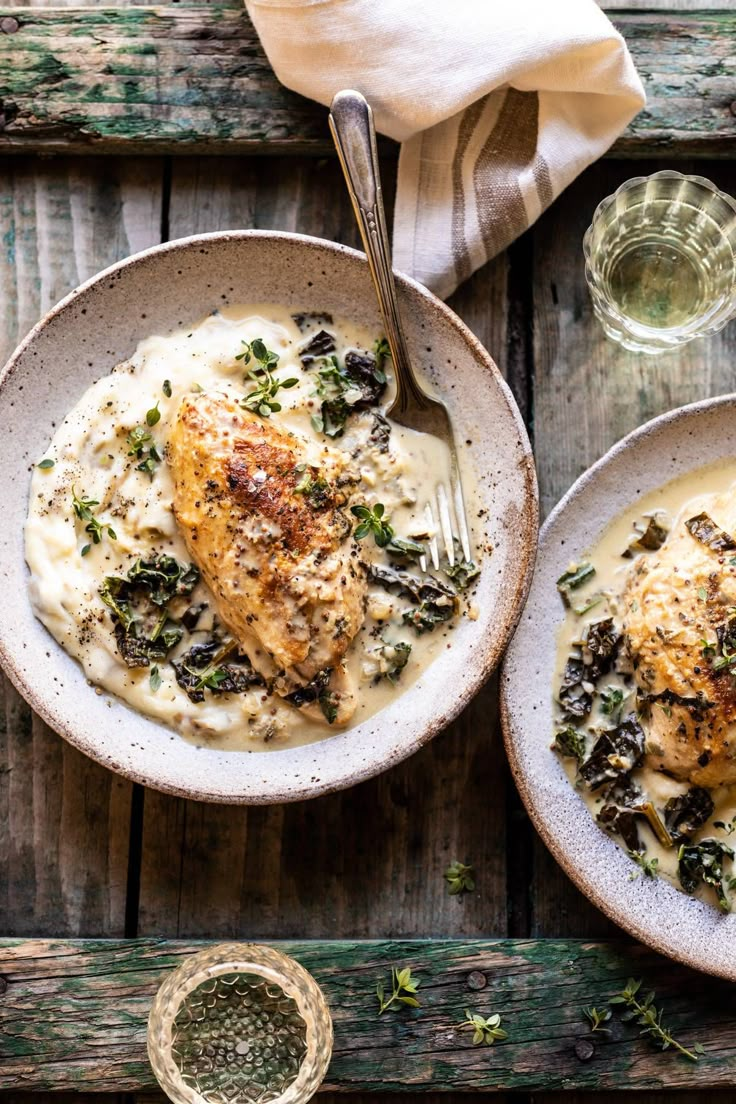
498	104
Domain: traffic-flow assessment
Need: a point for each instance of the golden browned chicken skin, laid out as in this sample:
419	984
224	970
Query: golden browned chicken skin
680	629
271	537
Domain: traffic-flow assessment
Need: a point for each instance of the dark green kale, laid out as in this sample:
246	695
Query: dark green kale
462	573
703	862
380	432
574	695
570	742
144	630
360	375
435	602
616	752
704	529
216	666
696	706
650	539
164	578
306	319
683	815
318	690
320	345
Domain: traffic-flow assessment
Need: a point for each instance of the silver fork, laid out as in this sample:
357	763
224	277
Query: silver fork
351	123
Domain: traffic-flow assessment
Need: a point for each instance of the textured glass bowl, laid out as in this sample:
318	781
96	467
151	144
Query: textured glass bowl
660	261
239	1024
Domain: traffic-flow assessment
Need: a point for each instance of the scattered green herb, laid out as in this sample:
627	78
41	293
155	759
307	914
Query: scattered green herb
404	548
587	604
403	988
316	490
262	399
648	867
460	878
485	1029
570	742
373	521
155	679
142	447
649	1018
256	351
216	666
46	464
83	508
597	1018
702	594
153	416
396	657
167	388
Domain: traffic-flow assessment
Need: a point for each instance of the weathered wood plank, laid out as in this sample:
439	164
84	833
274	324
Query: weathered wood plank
588	393
191	78
65	820
75	1013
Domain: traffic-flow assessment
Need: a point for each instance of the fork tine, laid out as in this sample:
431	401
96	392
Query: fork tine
433	549
443	506
462	523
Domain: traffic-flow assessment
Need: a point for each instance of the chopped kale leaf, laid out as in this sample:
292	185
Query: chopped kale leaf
435	602
305	320
317	691
616	752
216	666
683	815
703	862
704	529
570	742
164	578
381	432
318	346
650	540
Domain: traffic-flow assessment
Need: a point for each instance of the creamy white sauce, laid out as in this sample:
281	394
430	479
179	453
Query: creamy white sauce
682	498
90	455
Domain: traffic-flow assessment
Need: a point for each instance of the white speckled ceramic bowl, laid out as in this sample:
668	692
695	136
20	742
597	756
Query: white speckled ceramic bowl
653	911
99	325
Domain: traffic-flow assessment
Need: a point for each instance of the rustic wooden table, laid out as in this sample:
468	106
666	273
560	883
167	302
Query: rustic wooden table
84	853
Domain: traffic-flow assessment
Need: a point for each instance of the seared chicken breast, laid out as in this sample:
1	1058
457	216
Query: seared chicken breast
270	534
680	632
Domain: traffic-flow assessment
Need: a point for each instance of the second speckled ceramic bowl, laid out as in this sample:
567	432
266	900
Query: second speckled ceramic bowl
653	911
98	326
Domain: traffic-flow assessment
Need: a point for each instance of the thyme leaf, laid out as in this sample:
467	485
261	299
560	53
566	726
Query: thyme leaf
83	508
403	988
460	878
486	1029
644	1012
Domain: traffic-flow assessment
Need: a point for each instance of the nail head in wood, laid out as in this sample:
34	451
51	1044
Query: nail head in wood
584	1049
3	984
8	25
477	980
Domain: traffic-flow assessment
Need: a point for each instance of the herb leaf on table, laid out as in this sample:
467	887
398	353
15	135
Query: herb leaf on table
642	1010
460	878
403	988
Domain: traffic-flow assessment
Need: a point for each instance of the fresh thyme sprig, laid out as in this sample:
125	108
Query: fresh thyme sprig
486	1029
644	1012
83	508
597	1018
460	878
262	399
141	446
373	521
403	988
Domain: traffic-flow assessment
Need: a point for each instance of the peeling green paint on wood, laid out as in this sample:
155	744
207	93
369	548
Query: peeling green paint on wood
173	79
74	1015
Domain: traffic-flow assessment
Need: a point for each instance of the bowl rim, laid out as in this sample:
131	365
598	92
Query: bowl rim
649	933
487	658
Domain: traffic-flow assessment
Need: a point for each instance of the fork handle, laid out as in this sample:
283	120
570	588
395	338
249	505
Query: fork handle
354	134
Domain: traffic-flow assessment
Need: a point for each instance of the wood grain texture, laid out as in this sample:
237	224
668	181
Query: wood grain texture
178	79
78	1011
65	820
